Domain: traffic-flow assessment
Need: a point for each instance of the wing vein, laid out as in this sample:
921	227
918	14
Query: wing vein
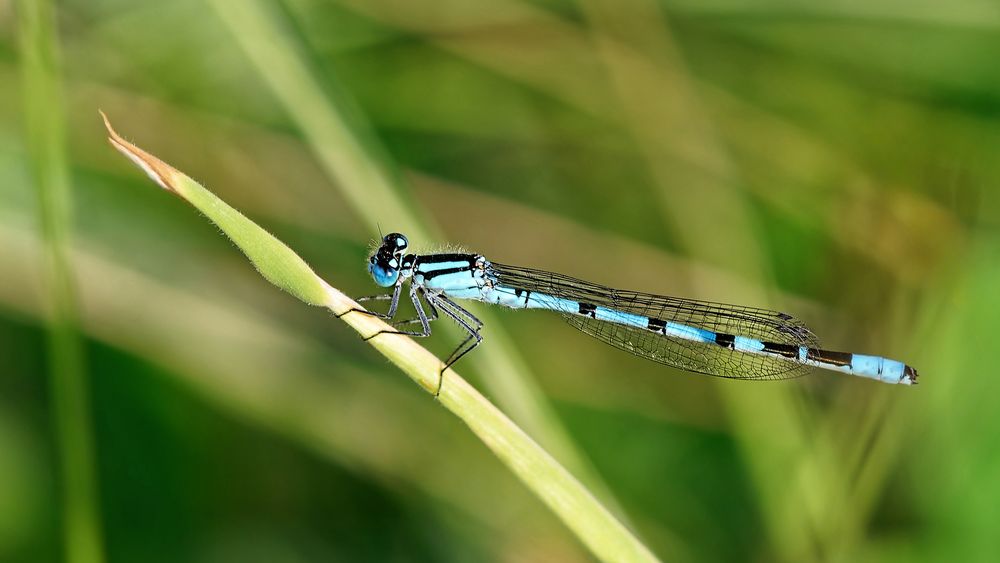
709	358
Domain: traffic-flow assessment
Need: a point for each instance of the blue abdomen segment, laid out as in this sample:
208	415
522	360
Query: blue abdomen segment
686	332
881	369
861	365
872	367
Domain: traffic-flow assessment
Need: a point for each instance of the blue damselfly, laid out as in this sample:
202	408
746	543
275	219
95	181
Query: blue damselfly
729	341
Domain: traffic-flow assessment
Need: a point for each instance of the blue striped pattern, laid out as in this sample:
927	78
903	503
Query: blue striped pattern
712	338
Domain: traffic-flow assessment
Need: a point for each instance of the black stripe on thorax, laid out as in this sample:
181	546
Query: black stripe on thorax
656	325
470	260
442	258
435	273
588	309
438	258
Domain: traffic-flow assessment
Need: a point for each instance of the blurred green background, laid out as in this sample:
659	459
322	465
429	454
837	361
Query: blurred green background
836	160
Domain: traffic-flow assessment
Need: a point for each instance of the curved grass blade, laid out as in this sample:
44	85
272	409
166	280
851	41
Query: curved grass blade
593	524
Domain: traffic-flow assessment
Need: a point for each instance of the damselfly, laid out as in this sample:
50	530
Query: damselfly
730	341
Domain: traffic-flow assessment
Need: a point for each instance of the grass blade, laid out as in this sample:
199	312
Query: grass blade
347	148
604	535
68	380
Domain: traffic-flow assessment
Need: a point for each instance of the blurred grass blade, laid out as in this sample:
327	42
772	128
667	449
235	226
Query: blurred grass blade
343	142
643	61
605	536
348	149
45	125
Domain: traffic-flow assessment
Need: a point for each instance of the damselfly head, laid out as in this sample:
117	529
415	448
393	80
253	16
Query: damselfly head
385	263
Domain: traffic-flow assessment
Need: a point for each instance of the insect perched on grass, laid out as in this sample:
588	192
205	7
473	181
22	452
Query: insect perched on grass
732	341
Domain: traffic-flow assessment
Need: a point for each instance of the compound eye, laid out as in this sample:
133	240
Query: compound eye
385	277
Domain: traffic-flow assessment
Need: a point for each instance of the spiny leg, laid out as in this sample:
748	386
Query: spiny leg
471	324
455	313
394	296
456	308
432	317
421	315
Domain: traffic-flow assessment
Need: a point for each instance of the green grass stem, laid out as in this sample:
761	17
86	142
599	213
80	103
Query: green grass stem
71	420
593	524
346	147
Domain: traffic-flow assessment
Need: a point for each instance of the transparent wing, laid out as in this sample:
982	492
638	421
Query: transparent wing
708	358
